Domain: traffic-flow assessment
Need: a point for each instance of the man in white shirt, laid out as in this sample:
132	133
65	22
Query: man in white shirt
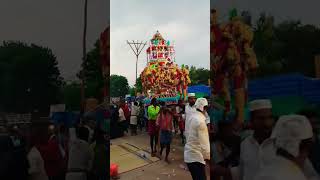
197	148
293	140
80	155
122	119
258	150
189	110
134	118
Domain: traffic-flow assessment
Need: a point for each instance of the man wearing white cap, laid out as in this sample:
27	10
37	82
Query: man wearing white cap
189	110
197	148
258	150
293	141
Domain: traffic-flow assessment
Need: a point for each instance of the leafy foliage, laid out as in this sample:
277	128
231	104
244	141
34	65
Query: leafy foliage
287	47
138	85
93	73
29	76
119	86
72	96
199	75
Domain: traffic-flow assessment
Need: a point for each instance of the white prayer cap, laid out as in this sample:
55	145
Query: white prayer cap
191	95
201	103
260	104
290	130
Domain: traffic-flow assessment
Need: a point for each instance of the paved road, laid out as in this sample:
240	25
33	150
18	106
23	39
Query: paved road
156	170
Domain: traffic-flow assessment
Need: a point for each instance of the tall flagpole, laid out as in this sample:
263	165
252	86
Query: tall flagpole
136	47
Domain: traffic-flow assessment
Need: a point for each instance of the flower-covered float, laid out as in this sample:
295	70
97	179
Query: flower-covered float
232	59
162	77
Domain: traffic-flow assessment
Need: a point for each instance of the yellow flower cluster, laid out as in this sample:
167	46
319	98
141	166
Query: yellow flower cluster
164	76
240	37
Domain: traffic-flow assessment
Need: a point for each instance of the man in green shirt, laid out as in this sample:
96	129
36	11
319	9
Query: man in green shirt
153	111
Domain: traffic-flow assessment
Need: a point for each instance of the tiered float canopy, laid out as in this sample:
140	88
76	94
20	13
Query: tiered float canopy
160	49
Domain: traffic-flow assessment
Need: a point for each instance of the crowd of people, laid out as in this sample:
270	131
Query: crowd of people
274	149
162	121
267	147
54	152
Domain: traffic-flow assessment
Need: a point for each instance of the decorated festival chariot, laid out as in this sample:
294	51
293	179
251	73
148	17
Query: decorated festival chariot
162	78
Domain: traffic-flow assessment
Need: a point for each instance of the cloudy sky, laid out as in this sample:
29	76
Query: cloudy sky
56	24
185	22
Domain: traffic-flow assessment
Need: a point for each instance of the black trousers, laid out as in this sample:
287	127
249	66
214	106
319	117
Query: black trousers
133	128
124	126
197	170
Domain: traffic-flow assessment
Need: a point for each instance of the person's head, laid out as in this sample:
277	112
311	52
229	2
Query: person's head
162	103
83	133
51	129
191	99
293	134
164	110
261	117
136	103
122	103
202	105
154	101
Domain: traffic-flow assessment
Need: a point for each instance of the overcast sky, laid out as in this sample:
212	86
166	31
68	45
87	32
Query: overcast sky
184	22
56	24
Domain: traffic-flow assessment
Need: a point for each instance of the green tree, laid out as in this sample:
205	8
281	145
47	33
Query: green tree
138	85
93	73
72	96
300	44
264	36
30	77
132	91
199	75
119	86
287	47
